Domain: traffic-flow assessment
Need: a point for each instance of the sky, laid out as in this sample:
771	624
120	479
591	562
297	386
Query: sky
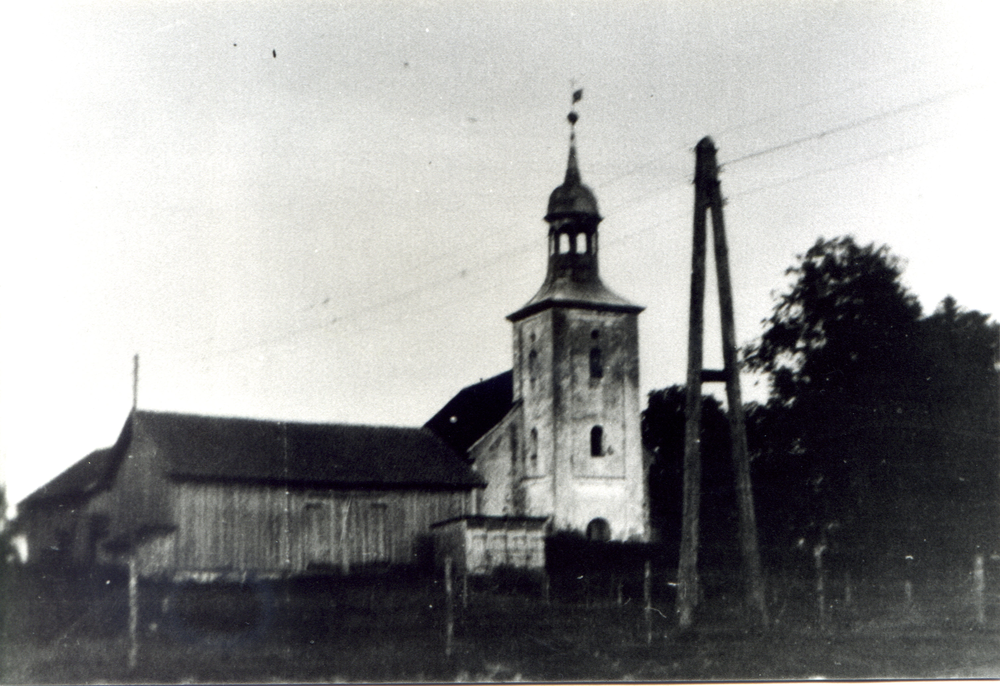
325	211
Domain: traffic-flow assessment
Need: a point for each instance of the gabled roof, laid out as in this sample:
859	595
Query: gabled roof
473	411
230	449
194	447
87	477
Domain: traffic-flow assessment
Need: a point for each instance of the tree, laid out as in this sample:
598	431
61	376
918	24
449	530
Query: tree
838	349
961	436
663	435
863	395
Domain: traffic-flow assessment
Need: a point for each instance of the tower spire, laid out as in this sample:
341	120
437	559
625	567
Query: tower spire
572	277
572	169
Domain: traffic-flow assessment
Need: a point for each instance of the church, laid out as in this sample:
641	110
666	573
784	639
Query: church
559	435
551	446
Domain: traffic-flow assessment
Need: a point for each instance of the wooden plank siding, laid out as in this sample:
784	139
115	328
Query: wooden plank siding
232	528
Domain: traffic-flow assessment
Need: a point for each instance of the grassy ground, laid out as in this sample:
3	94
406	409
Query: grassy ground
385	629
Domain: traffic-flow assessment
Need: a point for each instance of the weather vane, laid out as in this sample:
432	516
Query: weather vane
573	116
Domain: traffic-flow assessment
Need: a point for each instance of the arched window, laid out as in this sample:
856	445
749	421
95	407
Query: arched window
598	530
563	243
533	448
532	367
596	441
596	364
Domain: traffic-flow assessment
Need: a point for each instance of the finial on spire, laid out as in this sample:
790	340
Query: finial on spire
573	116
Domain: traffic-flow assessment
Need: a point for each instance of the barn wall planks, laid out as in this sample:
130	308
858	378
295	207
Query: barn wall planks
267	530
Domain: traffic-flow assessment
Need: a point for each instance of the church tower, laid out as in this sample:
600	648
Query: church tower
576	383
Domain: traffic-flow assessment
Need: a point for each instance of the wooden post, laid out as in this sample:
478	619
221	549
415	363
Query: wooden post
687	571
465	589
908	582
753	576
133	612
547	588
345	558
647	593
818	551
135	381
449	604
979	589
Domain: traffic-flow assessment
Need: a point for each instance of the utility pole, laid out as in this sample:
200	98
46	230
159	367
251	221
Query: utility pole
135	381
708	198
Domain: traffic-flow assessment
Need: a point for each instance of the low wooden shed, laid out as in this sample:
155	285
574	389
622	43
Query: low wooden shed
478	544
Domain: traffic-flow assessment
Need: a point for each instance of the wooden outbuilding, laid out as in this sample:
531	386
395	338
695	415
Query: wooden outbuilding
197	497
478	544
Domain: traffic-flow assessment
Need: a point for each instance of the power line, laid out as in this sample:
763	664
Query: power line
622	206
849	125
827	170
685	148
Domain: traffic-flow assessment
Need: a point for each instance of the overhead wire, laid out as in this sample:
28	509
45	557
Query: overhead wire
847	126
660	191
827	170
628	203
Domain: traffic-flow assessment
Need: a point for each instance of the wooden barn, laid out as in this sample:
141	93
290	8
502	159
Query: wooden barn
195	497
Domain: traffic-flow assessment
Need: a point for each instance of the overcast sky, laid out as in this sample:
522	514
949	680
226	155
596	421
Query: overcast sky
324	211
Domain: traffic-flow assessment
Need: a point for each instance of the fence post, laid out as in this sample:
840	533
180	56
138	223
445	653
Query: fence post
547	587
908	583
133	612
820	585
647	592
449	604
465	589
979	589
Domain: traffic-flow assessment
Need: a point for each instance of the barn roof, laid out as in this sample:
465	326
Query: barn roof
222	448
90	475
473	411
199	447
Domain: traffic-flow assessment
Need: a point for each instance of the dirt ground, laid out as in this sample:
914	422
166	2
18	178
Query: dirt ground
381	630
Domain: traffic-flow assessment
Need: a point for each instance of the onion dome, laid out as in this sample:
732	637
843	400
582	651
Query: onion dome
572	197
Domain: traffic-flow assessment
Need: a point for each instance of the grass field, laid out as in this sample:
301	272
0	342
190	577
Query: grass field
385	628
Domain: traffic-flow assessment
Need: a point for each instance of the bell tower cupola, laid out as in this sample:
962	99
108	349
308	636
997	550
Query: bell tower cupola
573	218
572	277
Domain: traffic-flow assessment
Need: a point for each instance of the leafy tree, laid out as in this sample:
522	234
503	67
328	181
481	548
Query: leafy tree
838	349
864	395
663	434
959	493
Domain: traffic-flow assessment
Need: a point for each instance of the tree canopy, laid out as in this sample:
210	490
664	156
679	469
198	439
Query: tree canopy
880	422
663	433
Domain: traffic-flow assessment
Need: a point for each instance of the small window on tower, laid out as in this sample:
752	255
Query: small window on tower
596	364
563	243
596	441
532	367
